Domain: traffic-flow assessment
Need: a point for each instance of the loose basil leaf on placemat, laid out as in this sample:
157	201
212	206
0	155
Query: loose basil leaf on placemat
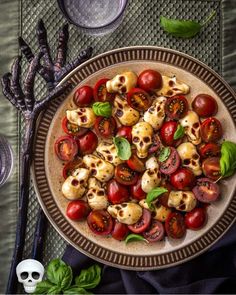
43	287
179	132
228	158
135	237
153	194
54	290
103	109
123	147
59	273
89	278
164	154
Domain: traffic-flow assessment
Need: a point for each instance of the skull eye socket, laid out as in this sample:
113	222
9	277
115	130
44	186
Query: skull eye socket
146	139
136	139
35	275
186	161
195	156
24	275
122	79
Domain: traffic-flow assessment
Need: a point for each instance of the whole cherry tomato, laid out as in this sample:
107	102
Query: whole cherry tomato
105	127
211	168
77	210
138	99
66	148
120	231
100	222
72	129
175	225
210	149
135	163
167	133
83	96
196	218
183	179
204	105
150	80
116	192
211	130
176	107
100	92
136	190
125	131
87	143
124	175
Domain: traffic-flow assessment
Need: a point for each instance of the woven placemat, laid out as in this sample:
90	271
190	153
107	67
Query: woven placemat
139	27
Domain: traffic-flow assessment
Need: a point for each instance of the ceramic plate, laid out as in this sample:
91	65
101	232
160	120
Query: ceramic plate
47	167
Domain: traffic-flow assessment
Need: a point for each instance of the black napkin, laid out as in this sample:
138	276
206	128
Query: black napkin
210	273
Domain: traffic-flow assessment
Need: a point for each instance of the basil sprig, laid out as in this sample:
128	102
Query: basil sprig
59	278
153	194
179	132
103	109
134	238
123	147
228	158
184	28
164	154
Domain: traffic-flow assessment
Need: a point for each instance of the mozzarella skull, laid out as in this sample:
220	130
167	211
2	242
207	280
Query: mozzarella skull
96	195
151	178
171	86
182	200
122	83
83	117
155	115
142	134
191	126
108	152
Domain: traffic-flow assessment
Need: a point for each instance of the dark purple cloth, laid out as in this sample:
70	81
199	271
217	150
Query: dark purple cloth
210	273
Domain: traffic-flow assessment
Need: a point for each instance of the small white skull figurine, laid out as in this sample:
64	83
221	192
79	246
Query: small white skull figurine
142	134
191	126
190	157
182	200
171	86
29	273
83	117
122	83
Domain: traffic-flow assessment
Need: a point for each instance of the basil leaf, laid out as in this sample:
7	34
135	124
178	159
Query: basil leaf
103	109
54	290
153	194
89	278
76	290
123	147
43	287
164	154
59	273
228	158
179	132
135	237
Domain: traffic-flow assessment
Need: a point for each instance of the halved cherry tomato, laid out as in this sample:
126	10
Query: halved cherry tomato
167	133
150	80
163	198
125	131
183	179
138	99
100	92
142	224
135	163
156	144
210	149
100	222
176	107
125	175
206	190
175	225
70	167
66	148
72	129
87	143
211	130
105	127
116	192
136	190
77	210
120	231
172	163
83	96
155	232
196	218
211	168
205	105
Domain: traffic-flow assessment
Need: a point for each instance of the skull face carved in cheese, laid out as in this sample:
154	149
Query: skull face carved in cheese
108	152
122	83
171	86
96	195
182	200
191	126
83	117
142	134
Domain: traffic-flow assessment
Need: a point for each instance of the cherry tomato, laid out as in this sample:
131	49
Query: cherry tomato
135	163
100	222
206	190
70	167
77	210
167	133
211	130
138	99
205	105
87	143
83	96
125	131
142	224
150	80
176	107
120	231
183	179
196	218
211	168
175	225
163	198
100	92
116	192
171	164
105	127
72	129
156	144
124	175
66	148
210	149
136	190
155	232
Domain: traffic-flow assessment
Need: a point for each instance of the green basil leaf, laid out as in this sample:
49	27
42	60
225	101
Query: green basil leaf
164	154
103	109
76	290
123	147
89	278
55	290
179	132
59	273
228	158
43	287
153	194
134	238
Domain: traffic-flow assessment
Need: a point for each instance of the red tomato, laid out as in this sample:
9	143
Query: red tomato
105	127
120	231
100	91
176	107
206	190
77	210
135	163
72	129
155	232
210	149
100	222
87	143
175	225
163	198
124	175
70	167
150	80
138	99
205	105
125	131
171	164
142	224
66	148
167	133
183	179
116	192
211	168
196	218
83	96
136	190
156	144
211	130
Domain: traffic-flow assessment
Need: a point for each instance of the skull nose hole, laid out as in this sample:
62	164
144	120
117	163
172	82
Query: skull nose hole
24	275
35	275
29	281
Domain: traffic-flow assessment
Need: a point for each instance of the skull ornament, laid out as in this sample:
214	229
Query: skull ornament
83	117
191	126
29	273
142	134
122	83
171	87
182	200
